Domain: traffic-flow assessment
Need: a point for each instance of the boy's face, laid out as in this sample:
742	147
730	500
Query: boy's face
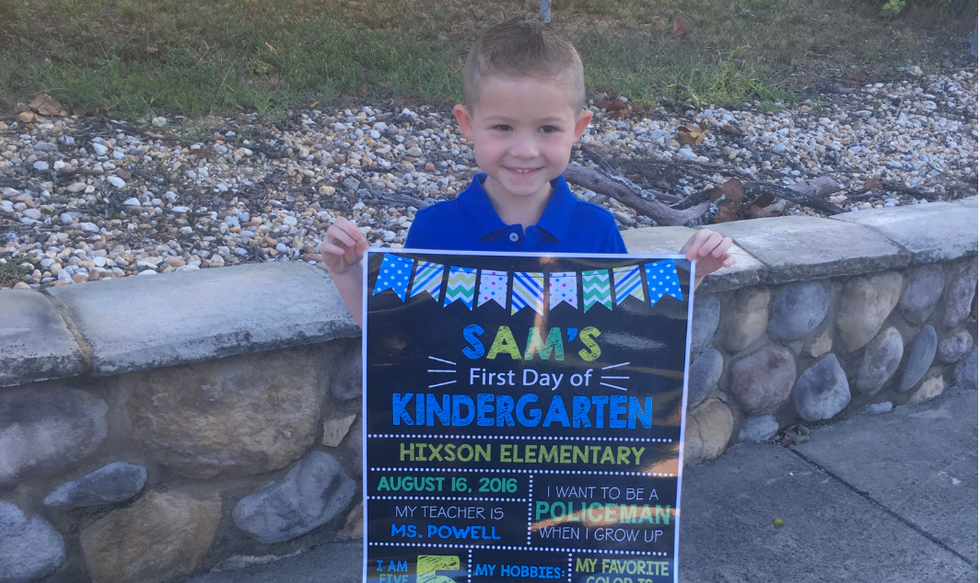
522	130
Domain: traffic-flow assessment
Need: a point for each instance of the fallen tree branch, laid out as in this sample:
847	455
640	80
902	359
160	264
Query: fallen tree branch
656	210
757	188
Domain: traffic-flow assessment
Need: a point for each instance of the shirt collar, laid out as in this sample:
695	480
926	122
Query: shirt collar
485	220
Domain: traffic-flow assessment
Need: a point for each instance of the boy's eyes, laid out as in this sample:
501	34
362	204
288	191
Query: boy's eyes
502	127
548	129
507	128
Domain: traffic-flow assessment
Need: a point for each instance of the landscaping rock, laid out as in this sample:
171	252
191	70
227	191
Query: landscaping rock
954	347
43	429
335	430
239	416
312	493
707	311
349	382
759	429
798	309
709	427
966	371
880	361
929	389
820	345
111	483
703	375
865	304
29	549
161	537
920	358
763	380
879	408
922	293
960	297
354	527
822	390
746	321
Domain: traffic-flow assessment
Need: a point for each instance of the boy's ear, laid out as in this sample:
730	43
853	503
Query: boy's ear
465	121
583	122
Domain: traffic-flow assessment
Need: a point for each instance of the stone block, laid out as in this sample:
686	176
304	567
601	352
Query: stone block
759	429
800	248
798	309
920	358
865	304
880	361
922	293
931	232
37	344
161	537
707	432
966	371
746	271
29	549
745	321
703	375
707	311
311	494
954	347
193	316
234	417
115	482
763	380
929	389
822	390
44	429
959	300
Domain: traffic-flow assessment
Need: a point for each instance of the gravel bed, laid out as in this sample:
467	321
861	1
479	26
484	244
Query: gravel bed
96	198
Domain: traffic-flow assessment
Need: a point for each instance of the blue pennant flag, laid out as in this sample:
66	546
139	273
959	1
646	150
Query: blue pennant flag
394	275
662	280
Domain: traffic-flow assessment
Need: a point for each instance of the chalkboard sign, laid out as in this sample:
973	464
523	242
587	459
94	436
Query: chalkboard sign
523	416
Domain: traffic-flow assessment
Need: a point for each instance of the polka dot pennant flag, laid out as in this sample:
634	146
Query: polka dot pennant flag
428	279
528	291
394	275
461	286
595	289
562	288
493	287
627	283
662	280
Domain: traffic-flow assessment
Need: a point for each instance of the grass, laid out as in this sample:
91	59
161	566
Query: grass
137	58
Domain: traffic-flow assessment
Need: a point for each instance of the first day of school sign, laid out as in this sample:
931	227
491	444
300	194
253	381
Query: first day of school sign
523	416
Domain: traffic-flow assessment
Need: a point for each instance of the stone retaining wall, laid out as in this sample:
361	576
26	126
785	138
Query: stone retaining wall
156	427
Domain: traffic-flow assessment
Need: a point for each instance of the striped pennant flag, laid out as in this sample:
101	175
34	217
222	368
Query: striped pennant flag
528	291
462	286
662	280
562	288
627	281
493	288
428	278
394	275
595	289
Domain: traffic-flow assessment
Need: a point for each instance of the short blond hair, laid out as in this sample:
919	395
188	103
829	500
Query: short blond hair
523	47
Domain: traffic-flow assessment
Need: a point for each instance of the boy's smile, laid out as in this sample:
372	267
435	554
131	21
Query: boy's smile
522	131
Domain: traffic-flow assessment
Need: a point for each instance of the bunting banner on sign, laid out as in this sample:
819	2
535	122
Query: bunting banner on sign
461	286
428	279
395	273
493	288
595	289
528	291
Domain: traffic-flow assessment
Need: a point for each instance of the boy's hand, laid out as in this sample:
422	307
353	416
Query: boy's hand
711	251
343	246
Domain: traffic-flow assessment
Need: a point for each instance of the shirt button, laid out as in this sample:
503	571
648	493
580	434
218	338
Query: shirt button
514	237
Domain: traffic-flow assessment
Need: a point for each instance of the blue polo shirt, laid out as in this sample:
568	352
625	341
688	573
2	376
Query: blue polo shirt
470	223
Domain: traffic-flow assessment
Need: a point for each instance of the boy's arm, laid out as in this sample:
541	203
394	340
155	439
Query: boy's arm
711	251
342	249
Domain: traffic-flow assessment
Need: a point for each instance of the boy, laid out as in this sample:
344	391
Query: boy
524	95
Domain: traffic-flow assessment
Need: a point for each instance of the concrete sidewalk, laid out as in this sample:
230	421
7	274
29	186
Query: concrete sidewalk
872	499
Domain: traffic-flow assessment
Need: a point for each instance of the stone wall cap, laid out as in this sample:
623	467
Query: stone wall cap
746	271
137	323
35	342
797	248
939	231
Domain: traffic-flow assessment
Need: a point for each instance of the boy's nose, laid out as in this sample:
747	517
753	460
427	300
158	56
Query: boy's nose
524	147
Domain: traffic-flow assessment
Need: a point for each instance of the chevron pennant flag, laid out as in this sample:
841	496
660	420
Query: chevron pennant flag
528	291
562	288
428	279
627	282
595	289
461	287
493	287
394	275
662	280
